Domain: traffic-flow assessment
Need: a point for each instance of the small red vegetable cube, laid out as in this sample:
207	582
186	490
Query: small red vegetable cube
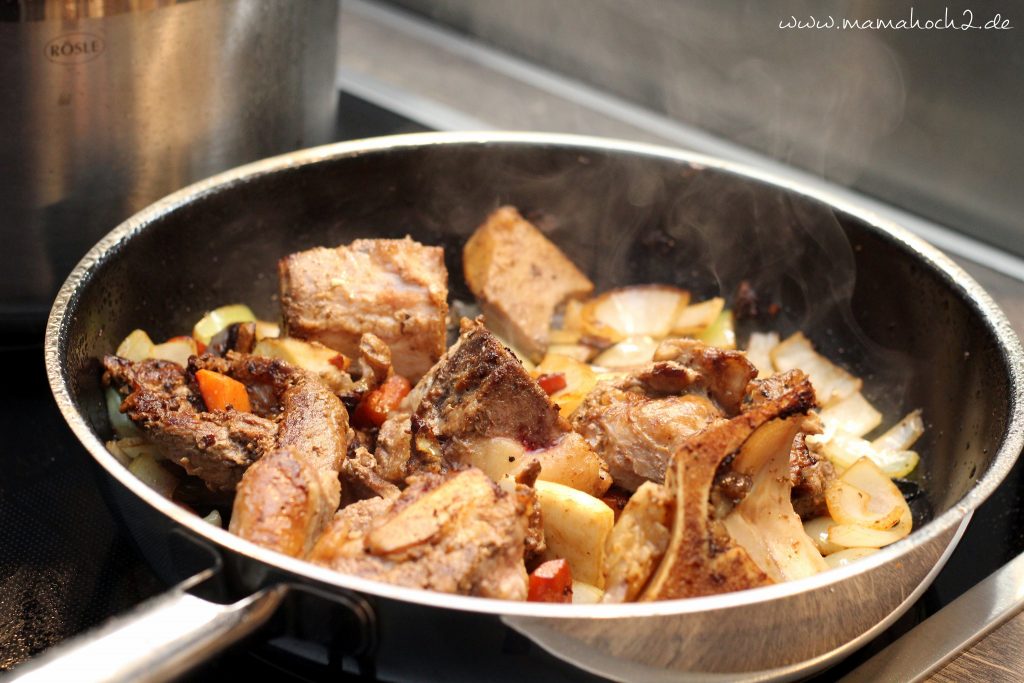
551	582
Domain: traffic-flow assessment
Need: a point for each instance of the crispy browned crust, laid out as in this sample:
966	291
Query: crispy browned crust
519	277
701	559
478	389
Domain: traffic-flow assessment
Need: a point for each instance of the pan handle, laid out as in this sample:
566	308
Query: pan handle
160	639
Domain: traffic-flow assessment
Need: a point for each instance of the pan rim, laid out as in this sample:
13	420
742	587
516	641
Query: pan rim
108	246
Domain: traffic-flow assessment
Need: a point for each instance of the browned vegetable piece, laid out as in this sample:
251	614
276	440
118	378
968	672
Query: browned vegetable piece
395	289
520	277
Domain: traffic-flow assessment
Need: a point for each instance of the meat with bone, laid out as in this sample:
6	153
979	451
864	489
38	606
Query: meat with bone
478	390
701	557
810	475
635	424
520	278
456	534
394	289
287	497
216	446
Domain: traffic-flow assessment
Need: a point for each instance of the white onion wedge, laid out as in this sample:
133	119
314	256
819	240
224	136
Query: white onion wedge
219	318
844	450
136	346
853	415
831	382
902	435
640	310
845	557
758	351
585	593
628	353
579	380
721	333
817	529
868	508
176	350
696	318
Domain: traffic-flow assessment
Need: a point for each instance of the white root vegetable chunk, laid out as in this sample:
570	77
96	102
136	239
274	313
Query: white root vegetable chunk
136	347
570	462
576	527
831	382
764	522
853	415
176	350
721	333
759	348
219	318
585	593
869	510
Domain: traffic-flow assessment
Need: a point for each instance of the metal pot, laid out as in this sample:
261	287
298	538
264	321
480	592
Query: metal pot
108	105
884	303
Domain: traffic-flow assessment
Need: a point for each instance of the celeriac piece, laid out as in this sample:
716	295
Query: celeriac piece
696	318
831	382
635	311
135	347
585	593
576	526
519	278
758	352
219	318
177	350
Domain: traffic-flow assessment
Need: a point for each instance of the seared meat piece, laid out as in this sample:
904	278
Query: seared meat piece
810	475
701	557
393	447
456	534
360	478
635	424
215	446
520	278
286	498
395	289
478	390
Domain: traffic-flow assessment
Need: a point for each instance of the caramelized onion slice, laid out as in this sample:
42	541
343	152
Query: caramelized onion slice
831	382
869	510
902	435
696	318
639	310
631	352
852	415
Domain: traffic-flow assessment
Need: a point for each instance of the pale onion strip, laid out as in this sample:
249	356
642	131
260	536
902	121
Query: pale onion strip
640	310
902	435
817	530
856	536
629	353
721	333
843	450
758	352
845	557
696	318
853	415
831	382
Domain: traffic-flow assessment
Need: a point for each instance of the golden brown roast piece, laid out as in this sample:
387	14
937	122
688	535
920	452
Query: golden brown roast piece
701	557
286	498
458	533
635	424
395	289
519	277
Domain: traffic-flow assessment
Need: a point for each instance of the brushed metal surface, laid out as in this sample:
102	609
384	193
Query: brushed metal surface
438	186
102	115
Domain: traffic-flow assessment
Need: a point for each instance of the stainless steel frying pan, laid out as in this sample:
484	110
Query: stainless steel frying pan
884	303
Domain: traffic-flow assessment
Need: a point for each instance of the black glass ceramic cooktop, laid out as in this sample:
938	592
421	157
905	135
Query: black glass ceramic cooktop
66	563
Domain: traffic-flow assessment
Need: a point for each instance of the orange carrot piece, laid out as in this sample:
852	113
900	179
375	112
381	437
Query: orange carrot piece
373	409
220	392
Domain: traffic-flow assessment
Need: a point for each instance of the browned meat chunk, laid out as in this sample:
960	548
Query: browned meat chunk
360	478
395	289
637	423
701	557
216	446
478	390
456	534
520	278
810	476
393	447
286	498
